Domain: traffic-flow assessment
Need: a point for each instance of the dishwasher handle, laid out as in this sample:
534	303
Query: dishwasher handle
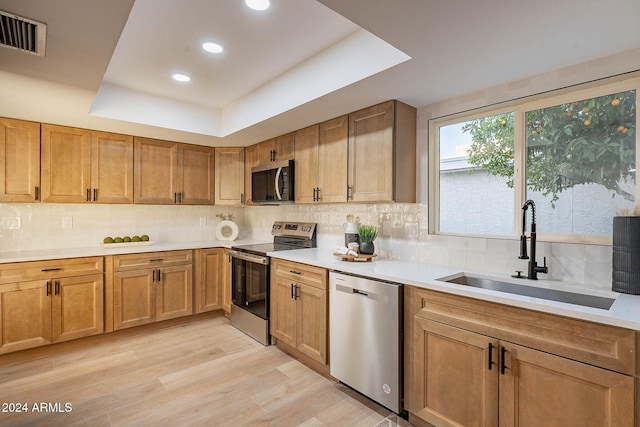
358	291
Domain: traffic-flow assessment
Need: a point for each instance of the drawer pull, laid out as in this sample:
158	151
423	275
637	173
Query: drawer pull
294	272
156	259
52	269
490	350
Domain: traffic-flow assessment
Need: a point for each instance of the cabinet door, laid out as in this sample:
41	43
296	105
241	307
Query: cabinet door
540	388
195	180
333	161
19	160
77	307
155	171
251	160
311	319
283	311
174	292
276	149
229	171
111	168
306	164
453	385
134	298
371	172
226	281
210	280
66	164
25	315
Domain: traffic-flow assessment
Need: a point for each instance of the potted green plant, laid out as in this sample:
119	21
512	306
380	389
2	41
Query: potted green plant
367	234
626	252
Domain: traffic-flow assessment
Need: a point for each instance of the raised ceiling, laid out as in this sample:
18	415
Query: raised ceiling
303	61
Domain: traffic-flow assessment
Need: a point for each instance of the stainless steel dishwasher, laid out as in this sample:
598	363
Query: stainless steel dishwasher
365	338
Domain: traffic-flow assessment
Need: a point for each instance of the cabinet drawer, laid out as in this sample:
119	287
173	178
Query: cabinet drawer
307	274
36	270
151	259
602	345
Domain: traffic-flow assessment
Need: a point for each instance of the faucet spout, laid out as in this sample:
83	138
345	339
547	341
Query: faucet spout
533	268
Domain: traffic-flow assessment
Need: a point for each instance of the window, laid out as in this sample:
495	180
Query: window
573	154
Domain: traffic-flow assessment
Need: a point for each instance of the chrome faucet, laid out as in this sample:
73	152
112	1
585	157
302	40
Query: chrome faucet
533	269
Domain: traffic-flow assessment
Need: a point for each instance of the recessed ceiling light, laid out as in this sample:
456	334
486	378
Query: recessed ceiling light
212	47
258	4
181	77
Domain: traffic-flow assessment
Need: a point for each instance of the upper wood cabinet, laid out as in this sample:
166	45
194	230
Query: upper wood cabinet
276	149
66	164
156	171
250	161
382	154
81	166
321	162
172	173
229	176
196	174
19	161
111	168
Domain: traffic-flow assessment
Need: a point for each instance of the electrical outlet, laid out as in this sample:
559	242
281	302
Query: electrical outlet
67	222
12	223
203	222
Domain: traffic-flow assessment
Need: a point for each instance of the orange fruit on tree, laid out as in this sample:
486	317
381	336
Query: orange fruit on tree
615	102
587	122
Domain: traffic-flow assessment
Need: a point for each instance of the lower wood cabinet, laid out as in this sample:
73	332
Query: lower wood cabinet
49	302
461	377
213	280
299	308
149	287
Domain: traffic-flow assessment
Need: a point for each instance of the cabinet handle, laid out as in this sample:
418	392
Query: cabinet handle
159	279
37	193
314	193
88	194
57	288
503	366
294	272
180	197
175	198
95	194
52	269
153	276
297	293
48	288
292	291
241	198
490	350
349	191
156	259
317	194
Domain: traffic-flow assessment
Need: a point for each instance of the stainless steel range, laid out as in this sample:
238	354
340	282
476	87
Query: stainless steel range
251	276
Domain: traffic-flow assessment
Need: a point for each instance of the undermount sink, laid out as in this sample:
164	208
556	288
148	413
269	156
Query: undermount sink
532	291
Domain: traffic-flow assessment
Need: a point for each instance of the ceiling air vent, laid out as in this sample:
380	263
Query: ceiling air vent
22	34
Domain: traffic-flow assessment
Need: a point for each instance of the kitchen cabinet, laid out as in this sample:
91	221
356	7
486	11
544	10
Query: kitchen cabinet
210	279
47	302
171	173
229	171
19	161
481	363
321	162
276	149
299	308
382	154
148	287
82	166
195	174
250	161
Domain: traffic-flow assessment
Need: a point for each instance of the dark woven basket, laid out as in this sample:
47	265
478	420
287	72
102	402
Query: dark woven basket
626	255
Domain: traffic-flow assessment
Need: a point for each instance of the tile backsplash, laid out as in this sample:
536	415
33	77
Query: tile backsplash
403	234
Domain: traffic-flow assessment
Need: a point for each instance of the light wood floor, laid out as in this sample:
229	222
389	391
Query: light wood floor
204	373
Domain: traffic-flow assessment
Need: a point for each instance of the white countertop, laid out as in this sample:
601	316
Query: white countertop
45	254
625	311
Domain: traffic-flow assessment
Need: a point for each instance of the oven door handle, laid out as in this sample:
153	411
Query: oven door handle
250	257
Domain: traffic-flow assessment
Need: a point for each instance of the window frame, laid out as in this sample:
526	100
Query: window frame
519	108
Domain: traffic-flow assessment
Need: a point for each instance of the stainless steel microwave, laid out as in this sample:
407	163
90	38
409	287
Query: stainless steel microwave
273	183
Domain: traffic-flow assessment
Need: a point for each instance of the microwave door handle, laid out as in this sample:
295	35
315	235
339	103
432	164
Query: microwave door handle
278	195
